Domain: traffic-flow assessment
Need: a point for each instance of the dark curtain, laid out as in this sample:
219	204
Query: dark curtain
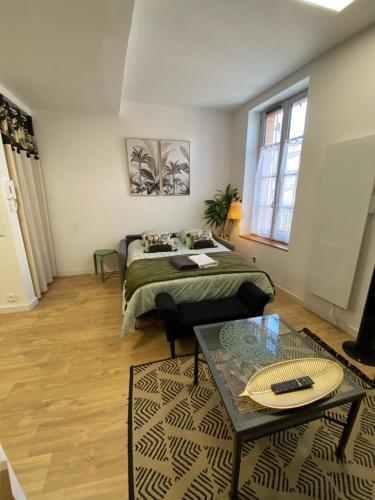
17	129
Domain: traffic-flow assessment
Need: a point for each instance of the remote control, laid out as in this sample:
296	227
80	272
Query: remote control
295	384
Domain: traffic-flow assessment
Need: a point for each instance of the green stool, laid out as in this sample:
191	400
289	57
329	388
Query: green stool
101	254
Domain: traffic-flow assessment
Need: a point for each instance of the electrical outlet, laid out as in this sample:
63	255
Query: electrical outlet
11	297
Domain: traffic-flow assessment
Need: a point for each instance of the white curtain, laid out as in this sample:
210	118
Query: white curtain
26	173
287	191
264	193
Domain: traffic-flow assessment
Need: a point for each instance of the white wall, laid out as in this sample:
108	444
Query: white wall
341	106
86	176
14	270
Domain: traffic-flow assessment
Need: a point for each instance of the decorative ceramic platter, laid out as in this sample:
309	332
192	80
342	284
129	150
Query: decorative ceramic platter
245	340
326	374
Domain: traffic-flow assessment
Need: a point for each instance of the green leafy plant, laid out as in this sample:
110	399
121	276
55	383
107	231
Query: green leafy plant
217	208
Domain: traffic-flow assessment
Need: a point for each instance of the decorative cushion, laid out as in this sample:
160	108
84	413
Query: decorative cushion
152	240
182	235
153	232
159	248
193	237
204	244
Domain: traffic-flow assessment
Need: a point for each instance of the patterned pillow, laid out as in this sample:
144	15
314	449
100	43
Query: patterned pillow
158	239
153	232
193	237
182	235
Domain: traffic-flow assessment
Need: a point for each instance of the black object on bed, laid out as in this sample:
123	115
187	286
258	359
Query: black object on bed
159	248
204	244
179	319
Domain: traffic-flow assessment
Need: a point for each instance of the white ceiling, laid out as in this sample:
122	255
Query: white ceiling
69	55
220	53
65	55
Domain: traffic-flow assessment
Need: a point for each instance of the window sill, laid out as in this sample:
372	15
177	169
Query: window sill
265	241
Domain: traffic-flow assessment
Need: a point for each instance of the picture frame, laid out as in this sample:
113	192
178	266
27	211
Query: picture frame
175	167
143	157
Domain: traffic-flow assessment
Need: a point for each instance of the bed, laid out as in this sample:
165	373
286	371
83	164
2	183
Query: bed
144	275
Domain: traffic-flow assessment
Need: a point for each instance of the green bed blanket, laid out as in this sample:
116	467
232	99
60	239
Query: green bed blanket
145	271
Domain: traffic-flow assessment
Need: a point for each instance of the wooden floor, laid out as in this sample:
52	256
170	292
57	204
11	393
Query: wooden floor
64	375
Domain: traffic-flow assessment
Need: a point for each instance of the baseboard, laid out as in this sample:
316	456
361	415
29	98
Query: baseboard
74	273
319	311
12	308
291	295
65	274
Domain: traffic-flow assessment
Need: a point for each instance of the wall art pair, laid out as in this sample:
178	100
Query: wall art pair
158	167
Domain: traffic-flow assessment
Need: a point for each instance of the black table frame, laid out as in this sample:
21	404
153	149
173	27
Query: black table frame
282	420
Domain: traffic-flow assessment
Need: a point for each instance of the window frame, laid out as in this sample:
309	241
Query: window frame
286	105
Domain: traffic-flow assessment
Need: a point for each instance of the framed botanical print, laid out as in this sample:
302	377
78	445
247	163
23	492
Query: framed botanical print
144	167
175	167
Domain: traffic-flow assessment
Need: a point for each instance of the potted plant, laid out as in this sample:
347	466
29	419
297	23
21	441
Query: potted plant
217	208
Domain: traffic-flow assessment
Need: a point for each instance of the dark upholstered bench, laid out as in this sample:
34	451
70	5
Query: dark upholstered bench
179	319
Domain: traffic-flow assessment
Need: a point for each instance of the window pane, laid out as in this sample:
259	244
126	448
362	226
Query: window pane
267	191
264	222
297	119
274	122
292	154
283	224
268	160
288	190
263	206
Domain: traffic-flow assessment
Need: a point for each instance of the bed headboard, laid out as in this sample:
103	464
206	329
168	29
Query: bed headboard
124	243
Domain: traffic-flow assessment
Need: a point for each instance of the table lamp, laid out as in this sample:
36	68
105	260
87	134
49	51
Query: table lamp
234	213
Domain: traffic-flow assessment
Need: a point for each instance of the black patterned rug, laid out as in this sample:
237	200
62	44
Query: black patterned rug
180	445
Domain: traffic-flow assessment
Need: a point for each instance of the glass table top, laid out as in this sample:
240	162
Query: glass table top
236	350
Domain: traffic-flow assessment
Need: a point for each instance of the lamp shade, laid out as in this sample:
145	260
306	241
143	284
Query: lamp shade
235	211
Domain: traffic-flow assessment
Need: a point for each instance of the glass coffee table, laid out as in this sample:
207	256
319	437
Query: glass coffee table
253	344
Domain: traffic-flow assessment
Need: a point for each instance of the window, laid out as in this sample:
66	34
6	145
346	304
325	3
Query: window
278	165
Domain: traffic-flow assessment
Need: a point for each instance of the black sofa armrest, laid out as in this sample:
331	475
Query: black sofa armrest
123	254
167	310
225	243
131	237
122	258
254	298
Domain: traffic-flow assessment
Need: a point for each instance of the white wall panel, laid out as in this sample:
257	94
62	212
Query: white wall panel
344	195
